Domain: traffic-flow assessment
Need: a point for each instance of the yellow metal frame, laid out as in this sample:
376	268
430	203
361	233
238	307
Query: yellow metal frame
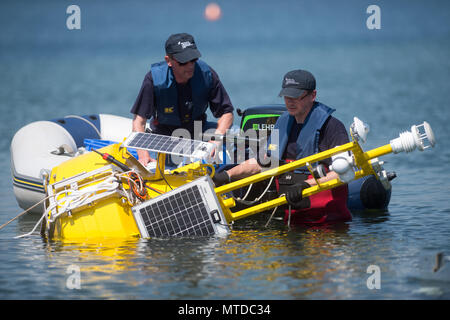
361	158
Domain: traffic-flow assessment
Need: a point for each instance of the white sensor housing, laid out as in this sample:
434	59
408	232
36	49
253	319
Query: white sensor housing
416	138
343	166
359	130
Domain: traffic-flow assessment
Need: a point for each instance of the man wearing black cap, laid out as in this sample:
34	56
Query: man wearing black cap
306	128
176	92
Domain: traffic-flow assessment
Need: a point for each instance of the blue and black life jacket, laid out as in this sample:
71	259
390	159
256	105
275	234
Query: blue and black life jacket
166	95
308	139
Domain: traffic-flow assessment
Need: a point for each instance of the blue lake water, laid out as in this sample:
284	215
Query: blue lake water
391	78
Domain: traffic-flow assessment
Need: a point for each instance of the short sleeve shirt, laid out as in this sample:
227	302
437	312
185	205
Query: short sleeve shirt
145	105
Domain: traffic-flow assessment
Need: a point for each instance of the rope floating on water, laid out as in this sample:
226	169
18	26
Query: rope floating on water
23	212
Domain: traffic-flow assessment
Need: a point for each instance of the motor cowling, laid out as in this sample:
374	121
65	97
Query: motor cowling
260	117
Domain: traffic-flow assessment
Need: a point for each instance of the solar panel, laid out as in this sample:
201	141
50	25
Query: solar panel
190	210
170	145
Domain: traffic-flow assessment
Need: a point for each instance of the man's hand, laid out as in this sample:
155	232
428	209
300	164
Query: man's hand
138	125
218	146
144	157
223	124
295	198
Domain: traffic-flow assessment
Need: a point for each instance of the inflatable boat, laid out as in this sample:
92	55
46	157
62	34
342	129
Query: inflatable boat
42	145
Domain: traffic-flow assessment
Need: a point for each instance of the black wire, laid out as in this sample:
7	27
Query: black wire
162	175
148	187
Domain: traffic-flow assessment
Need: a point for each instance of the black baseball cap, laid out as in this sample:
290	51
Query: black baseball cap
296	82
182	47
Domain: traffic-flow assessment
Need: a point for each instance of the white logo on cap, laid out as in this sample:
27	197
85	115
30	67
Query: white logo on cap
288	81
185	44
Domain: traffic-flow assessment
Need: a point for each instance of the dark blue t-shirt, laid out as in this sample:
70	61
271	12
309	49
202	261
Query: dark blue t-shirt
332	134
219	103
